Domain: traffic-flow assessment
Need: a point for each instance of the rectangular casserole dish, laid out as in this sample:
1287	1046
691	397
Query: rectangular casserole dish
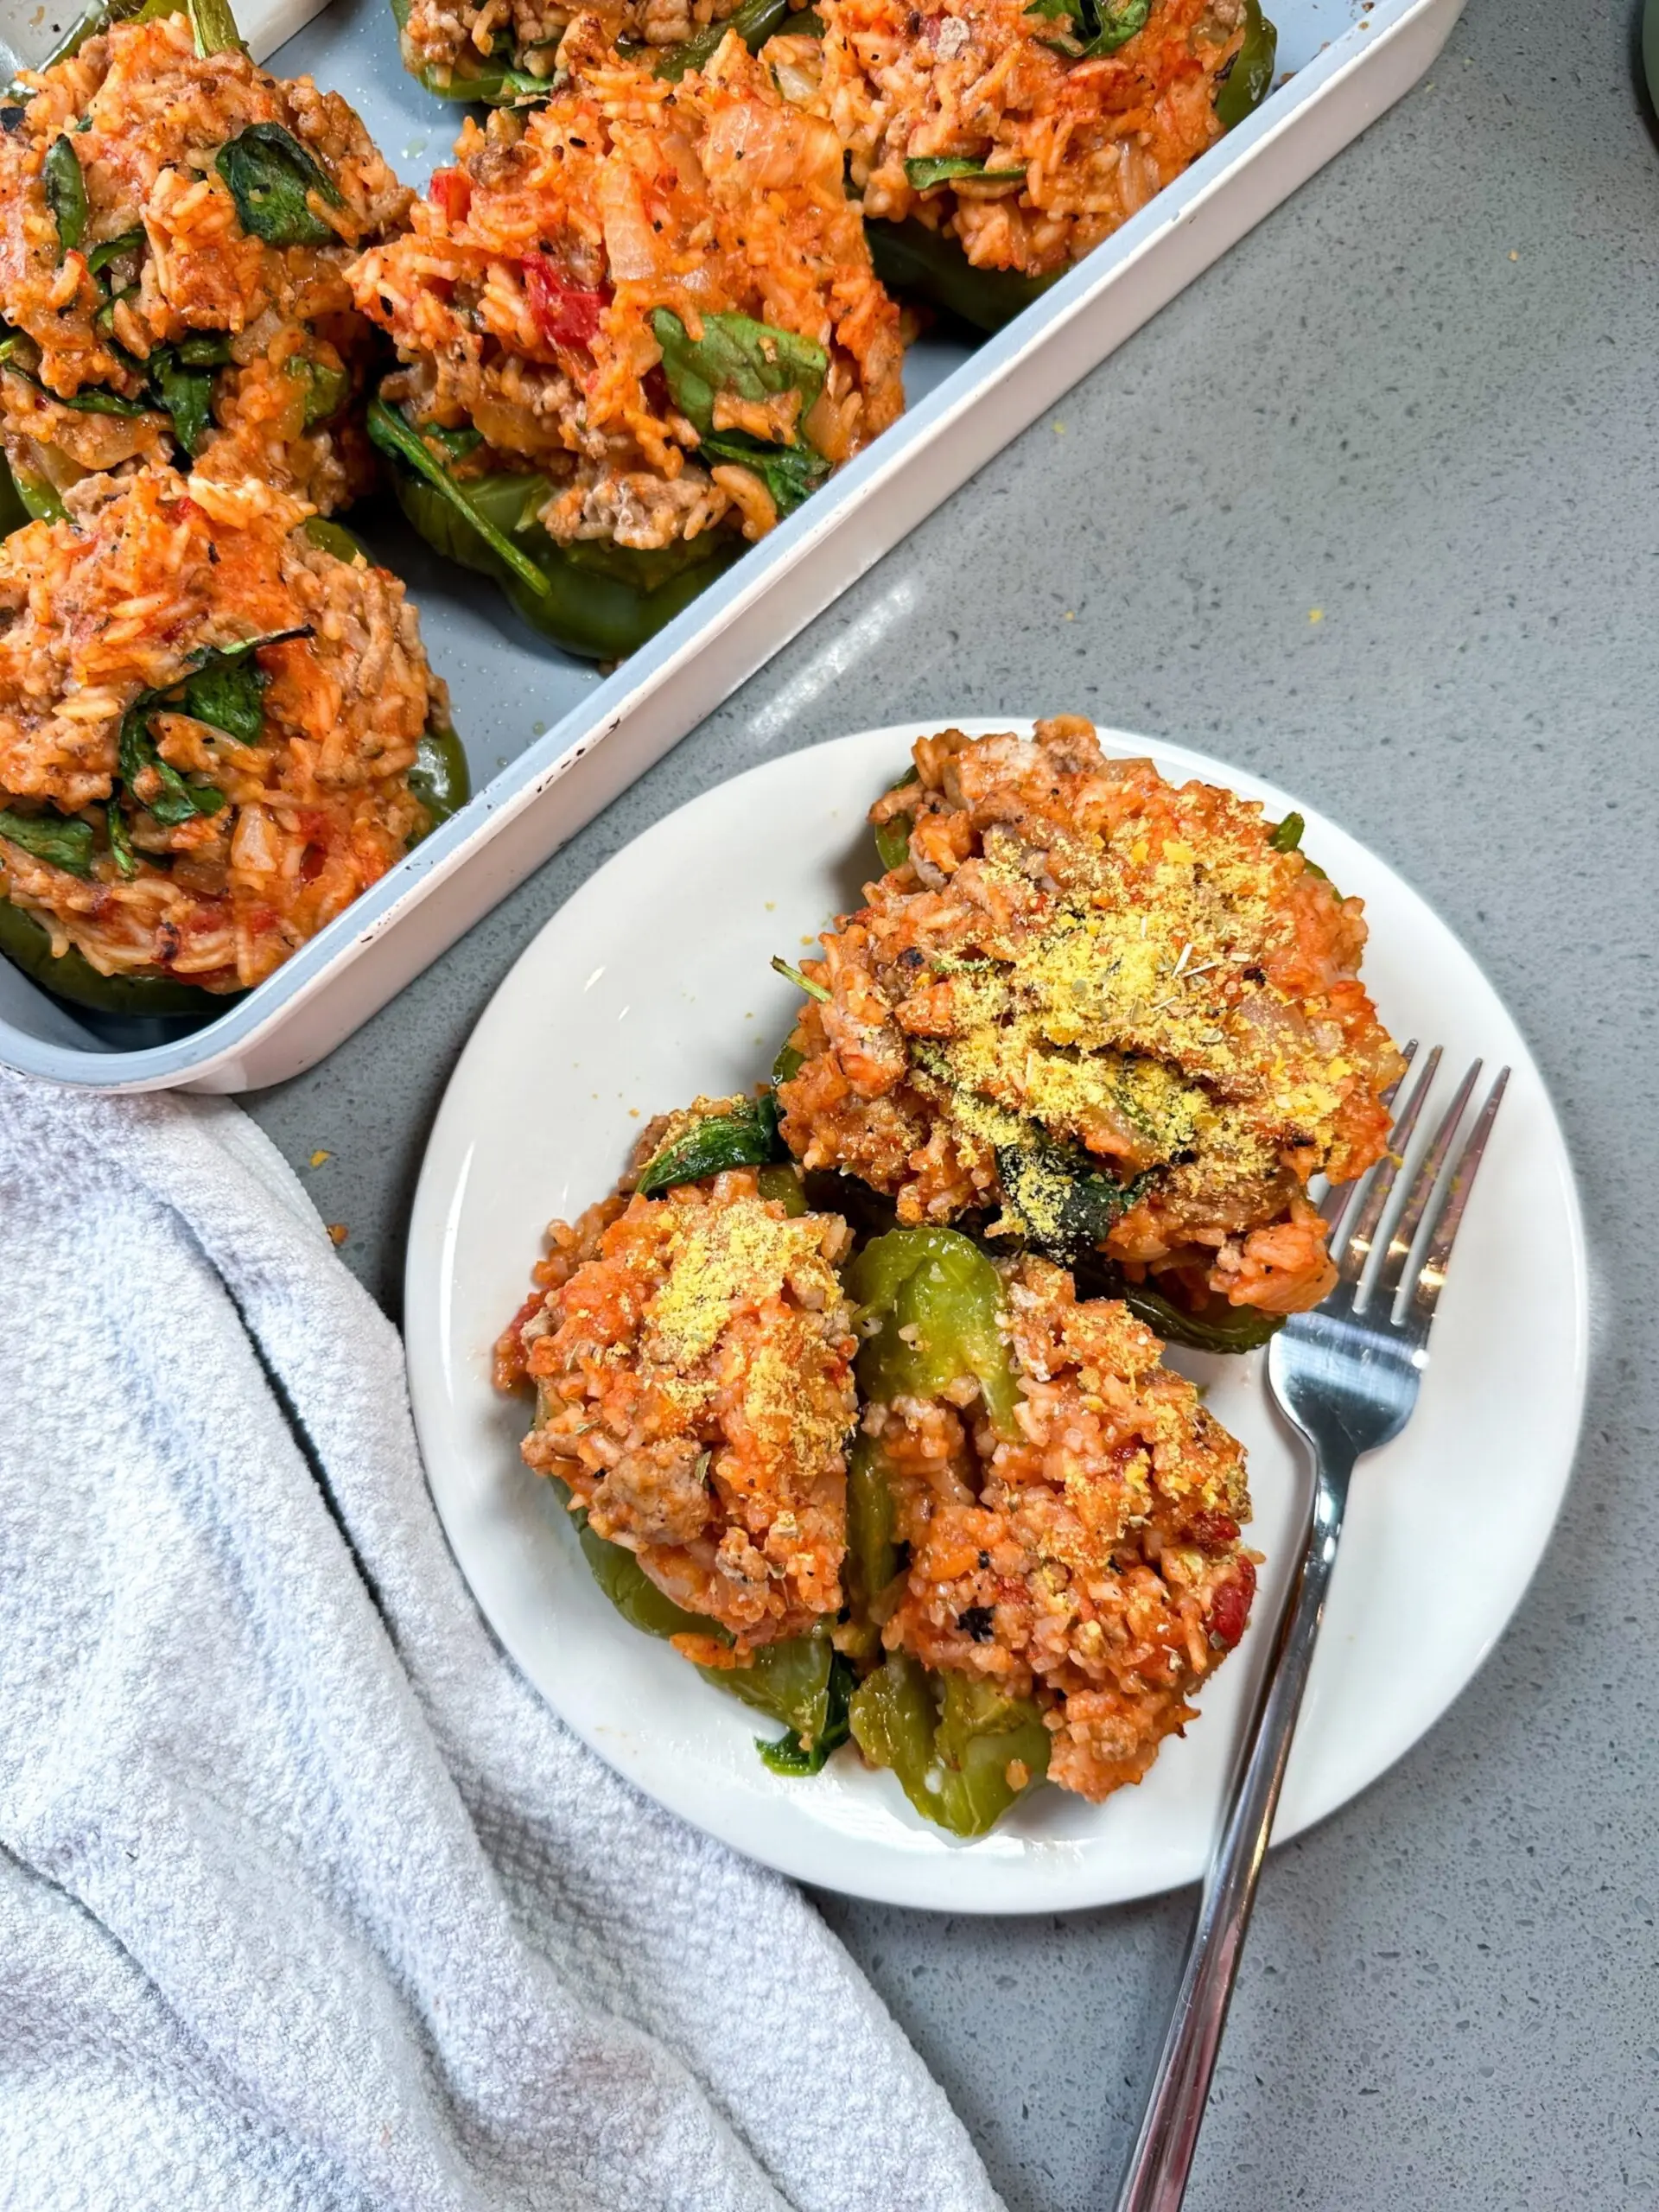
550	741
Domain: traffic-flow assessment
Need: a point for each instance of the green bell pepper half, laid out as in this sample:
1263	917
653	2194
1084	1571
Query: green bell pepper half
930	264
792	1683
872	1557
949	1740
211	21
13	512
1250	74
490	79
597	600
938	1304
26	943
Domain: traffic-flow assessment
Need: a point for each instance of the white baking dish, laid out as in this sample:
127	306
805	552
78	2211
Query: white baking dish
550	741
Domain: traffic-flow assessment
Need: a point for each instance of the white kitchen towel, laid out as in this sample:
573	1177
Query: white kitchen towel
305	1899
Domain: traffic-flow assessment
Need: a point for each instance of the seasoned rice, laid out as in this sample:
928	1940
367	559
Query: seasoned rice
1087	995
521	302
149	576
438	36
145	118
1083	144
1091	1559
692	1358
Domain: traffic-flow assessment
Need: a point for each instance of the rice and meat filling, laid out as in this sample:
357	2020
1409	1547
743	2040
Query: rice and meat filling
442	40
655	296
1116	1015
1086	1553
1008	126
175	231
207	720
692	1357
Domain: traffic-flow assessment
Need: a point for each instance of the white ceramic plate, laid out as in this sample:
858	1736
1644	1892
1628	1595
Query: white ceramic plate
652	985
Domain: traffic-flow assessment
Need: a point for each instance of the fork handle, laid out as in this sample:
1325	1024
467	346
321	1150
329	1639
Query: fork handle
1157	2175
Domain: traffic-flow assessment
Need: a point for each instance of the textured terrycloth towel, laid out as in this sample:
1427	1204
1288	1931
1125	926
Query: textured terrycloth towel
305	1899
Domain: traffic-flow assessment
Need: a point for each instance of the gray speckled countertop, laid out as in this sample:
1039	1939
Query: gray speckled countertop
1423	399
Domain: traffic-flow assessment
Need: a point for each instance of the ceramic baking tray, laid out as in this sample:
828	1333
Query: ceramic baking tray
552	740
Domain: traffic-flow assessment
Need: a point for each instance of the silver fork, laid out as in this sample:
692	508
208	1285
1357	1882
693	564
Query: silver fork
1347	1376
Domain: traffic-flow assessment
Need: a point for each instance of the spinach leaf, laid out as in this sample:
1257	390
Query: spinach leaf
892	835
271	176
390	431
944	169
789	1756
1221	1327
177	801
66	193
228	693
223	688
115	824
754	23
1101	26
186	394
745	1137
94	400
788	473
64	844
112	249
751	360
458	443
325	389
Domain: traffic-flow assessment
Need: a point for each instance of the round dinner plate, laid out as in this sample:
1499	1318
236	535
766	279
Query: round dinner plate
652	985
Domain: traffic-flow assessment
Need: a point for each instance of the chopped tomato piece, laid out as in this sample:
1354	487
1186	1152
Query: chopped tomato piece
453	191
568	315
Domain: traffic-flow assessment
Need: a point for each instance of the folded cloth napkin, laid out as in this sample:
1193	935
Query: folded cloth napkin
305	1899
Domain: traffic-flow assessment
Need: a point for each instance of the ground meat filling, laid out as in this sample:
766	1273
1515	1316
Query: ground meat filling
1108	1013
522	301
1067	149
1091	1560
160	260
692	1358
192	839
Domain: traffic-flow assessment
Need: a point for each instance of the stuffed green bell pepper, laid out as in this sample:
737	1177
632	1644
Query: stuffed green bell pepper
691	1350
573	416
991	145
1091	1013
175	226
1042	1521
268	741
466	53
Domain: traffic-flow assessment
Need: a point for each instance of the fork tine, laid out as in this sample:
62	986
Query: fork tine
1340	1196
1448	1213
1387	1287
1357	1250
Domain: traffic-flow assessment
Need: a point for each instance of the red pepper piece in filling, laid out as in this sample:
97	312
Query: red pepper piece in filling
568	315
